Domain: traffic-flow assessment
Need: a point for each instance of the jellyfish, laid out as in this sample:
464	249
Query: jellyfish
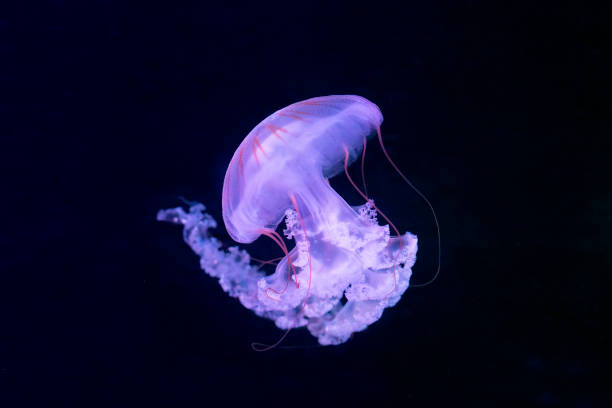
345	267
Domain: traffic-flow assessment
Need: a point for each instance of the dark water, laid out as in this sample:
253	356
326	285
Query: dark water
499	113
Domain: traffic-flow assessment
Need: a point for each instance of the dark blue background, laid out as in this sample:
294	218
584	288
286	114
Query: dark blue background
498	111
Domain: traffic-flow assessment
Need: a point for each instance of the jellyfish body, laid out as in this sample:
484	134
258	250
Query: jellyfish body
345	268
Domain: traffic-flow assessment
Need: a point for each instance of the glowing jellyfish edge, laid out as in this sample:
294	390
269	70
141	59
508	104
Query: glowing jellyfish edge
363	274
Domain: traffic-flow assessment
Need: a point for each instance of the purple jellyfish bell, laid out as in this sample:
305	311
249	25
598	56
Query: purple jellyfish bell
345	268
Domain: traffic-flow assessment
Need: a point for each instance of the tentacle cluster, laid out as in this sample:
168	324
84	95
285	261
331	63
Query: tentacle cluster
368	271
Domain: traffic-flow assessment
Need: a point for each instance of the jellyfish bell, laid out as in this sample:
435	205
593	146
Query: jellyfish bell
345	268
294	151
